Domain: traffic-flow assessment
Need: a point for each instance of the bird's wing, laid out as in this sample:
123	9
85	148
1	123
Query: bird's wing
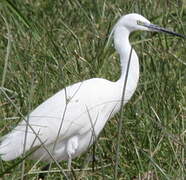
69	112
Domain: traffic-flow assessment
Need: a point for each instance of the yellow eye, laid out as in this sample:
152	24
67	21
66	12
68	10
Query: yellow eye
140	23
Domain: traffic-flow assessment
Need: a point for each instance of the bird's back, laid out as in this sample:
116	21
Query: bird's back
80	110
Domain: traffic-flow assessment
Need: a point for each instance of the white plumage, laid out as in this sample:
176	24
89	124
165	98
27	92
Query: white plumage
82	110
69	121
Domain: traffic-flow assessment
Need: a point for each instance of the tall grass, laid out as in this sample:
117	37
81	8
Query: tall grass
47	45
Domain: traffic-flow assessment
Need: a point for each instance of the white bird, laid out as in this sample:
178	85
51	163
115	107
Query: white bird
66	124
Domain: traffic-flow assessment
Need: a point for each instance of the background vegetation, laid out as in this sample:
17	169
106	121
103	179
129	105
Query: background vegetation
47	45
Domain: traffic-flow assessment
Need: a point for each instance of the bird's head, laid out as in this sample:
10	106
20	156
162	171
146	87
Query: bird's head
133	22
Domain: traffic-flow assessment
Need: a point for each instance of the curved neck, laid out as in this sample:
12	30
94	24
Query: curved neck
123	47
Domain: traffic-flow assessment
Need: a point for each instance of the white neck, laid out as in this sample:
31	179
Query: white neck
123	47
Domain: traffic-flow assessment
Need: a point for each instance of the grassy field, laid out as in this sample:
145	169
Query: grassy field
47	45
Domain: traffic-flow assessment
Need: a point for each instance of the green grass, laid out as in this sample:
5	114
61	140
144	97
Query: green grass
47	45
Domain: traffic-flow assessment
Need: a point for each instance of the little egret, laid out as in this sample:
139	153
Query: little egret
65	125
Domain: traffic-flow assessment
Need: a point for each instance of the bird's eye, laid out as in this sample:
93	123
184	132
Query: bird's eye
140	22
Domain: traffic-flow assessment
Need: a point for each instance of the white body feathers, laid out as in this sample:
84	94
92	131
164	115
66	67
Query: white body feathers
68	122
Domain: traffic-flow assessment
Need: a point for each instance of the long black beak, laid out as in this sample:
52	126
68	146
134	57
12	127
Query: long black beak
156	28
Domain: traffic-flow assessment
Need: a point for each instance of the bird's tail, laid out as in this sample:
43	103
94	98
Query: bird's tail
14	144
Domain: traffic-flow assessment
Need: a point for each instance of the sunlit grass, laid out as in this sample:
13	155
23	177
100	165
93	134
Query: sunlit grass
52	44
